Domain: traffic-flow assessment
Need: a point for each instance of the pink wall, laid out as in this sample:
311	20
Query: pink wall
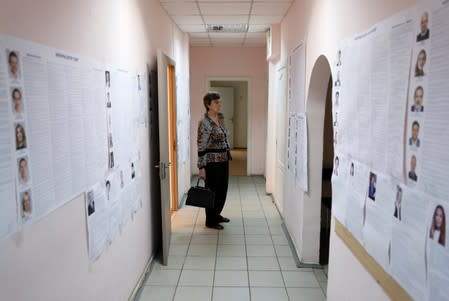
48	259
321	24
248	63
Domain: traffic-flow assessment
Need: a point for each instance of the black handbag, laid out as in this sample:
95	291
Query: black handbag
200	196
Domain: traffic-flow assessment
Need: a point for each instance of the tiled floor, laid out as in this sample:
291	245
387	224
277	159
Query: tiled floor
249	260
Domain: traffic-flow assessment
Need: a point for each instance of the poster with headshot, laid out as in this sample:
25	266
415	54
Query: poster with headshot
438	253
97	220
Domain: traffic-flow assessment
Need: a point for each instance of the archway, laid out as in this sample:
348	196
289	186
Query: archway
318	98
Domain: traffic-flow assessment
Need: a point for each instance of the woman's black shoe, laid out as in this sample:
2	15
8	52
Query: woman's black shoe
215	226
223	219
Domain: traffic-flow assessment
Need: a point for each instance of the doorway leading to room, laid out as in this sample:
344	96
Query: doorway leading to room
235	100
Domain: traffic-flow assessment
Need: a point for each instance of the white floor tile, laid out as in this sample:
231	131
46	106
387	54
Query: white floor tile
320	275
265	279
179	250
287	263
268	294
262	263
202	250
160	293
283	250
199	263
279	239
254	230
250	259
260	250
191	293
200	239
231	239
309	294
163	277
174	262
231	278
258	239
196	278
231	293
231	250
323	285
231	263
300	279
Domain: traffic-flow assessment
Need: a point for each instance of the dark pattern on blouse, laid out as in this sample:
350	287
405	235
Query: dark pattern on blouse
212	141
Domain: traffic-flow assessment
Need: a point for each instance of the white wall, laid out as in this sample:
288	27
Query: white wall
321	24
48	259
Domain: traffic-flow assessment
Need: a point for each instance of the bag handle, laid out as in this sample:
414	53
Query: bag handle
198	182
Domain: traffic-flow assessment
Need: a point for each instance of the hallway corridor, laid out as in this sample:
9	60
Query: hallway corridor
249	260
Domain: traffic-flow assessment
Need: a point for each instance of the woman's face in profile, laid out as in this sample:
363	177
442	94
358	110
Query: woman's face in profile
421	60
438	218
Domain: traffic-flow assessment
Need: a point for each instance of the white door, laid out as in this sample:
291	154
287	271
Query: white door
163	65
227	108
281	131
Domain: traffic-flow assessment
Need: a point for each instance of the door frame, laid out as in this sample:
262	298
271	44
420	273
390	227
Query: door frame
249	112
166	97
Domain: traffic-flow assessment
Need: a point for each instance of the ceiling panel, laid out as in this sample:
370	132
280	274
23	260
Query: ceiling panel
195	35
182	8
270	9
227	35
258	28
256	35
192	20
192	28
220	8
239	19
265	19
193	16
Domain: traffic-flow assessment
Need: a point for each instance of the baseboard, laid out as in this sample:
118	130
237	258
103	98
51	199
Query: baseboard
141	279
291	244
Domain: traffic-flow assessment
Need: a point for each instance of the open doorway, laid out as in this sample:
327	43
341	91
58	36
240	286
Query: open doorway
326	187
235	100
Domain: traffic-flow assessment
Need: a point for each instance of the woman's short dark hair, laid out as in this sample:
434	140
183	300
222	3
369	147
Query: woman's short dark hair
207	99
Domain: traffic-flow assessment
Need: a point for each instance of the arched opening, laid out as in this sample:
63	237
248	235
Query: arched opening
319	117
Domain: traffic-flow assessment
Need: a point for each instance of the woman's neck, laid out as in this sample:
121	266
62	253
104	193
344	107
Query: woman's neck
212	115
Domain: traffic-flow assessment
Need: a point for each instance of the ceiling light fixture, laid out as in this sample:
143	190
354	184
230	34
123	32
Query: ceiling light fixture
227	28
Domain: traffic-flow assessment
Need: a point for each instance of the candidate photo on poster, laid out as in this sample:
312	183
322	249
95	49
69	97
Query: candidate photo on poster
24	174
372	186
337	98
420	63
21	140
414	141
337	81
339	58
424	32
90	202
26	205
398	203
107	78
438	226
108	189
412	172
418	99
17	102
13	64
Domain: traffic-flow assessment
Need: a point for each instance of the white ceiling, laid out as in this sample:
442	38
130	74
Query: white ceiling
194	16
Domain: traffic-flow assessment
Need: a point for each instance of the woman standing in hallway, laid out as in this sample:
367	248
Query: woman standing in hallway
213	157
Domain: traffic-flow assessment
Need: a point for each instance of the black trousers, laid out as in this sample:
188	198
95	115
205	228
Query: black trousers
217	178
